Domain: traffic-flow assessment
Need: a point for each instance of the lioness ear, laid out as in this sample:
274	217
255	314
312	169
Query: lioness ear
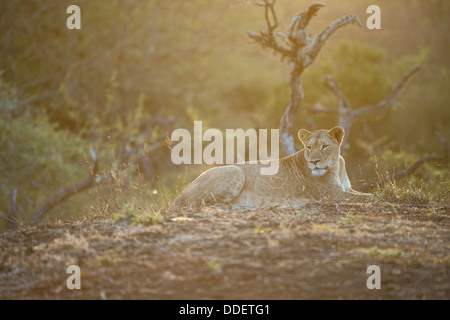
337	133
304	135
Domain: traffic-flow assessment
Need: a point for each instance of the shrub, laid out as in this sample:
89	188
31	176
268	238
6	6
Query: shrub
37	160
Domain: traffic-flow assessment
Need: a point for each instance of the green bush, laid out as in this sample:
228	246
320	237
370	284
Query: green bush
37	160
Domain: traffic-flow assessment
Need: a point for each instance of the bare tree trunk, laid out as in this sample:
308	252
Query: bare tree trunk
301	51
289	116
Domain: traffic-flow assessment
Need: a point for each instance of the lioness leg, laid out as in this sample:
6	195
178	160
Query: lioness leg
216	185
349	193
343	177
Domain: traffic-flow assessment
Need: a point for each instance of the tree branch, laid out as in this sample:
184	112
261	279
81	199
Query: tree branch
411	169
319	109
346	115
64	194
265	41
382	104
266	37
320	40
270	11
299	23
93	179
332	84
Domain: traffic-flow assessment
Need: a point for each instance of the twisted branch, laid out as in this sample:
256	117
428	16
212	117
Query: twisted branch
384	103
320	40
266	38
346	115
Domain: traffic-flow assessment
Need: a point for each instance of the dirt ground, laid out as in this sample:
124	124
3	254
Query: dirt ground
321	251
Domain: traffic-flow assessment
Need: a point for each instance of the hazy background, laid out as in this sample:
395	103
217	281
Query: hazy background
138	69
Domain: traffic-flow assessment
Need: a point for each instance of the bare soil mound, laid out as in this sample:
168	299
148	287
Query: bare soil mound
319	252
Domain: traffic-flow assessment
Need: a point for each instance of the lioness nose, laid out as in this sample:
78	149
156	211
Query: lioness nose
314	162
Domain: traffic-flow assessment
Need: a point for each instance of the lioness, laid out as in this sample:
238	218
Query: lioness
315	172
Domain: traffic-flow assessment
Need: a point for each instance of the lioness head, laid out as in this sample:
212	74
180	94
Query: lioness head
322	148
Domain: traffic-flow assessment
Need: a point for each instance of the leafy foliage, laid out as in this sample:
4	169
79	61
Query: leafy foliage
36	158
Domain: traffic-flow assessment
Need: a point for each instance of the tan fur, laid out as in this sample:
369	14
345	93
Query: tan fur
315	172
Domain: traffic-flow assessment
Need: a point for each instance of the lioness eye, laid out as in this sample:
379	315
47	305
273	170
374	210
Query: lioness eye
324	146
309	148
